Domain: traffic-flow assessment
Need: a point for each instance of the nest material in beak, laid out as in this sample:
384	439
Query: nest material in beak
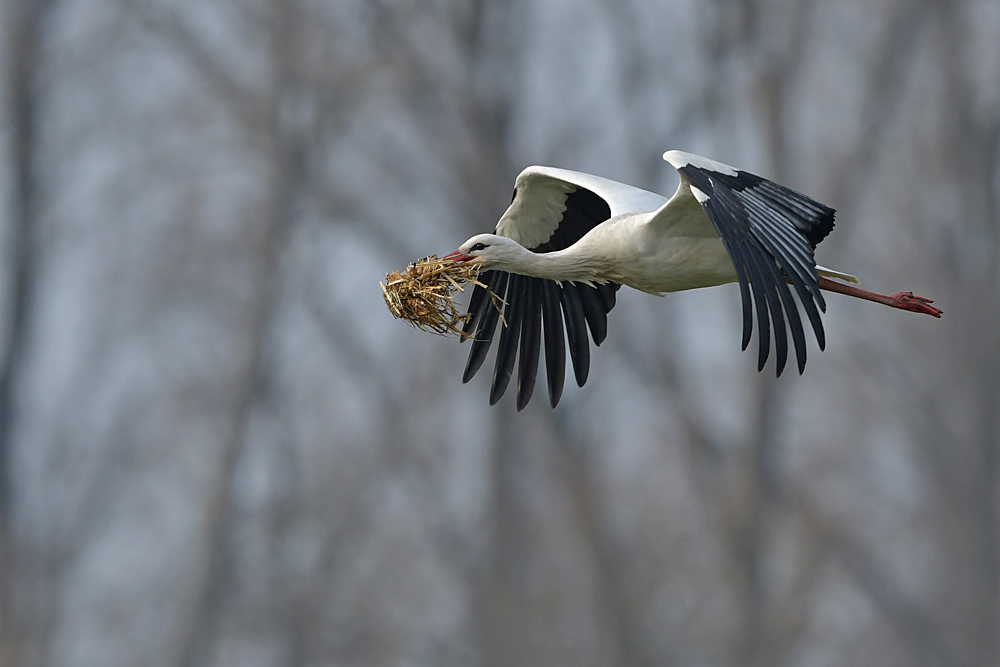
423	294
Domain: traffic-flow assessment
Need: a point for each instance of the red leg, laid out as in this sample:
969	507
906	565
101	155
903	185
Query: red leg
901	300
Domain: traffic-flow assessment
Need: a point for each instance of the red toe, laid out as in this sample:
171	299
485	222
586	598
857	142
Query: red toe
917	304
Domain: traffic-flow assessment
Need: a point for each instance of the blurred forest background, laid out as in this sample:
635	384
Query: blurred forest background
217	447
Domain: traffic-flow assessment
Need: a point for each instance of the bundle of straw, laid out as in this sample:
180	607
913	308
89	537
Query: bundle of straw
423	294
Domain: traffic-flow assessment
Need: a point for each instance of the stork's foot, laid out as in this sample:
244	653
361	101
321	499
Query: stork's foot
917	304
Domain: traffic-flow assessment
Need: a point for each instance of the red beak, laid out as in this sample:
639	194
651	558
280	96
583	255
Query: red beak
458	257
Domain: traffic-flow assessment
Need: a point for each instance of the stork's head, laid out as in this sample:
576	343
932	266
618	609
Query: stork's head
493	251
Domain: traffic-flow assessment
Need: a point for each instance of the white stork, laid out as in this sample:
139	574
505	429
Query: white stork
569	240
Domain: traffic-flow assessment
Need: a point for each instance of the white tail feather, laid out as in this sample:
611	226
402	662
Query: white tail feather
830	273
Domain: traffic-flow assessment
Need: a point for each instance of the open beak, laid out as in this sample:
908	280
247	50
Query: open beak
458	257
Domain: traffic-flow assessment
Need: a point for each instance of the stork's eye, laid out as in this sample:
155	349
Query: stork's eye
478	246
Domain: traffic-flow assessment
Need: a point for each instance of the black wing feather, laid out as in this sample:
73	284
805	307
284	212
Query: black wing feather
765	302
531	335
770	232
486	317
805	293
477	302
777	280
779	243
783	242
593	310
507	347
534	302
555	349
609	296
576	331
716	207
818	218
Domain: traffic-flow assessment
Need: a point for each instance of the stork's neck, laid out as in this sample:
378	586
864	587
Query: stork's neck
572	264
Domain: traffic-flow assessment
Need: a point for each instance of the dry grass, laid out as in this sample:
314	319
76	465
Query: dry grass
423	294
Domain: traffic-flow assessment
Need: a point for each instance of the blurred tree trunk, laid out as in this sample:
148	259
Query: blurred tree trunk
272	127
23	24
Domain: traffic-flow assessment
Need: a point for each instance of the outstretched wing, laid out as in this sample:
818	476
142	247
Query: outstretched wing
551	210
770	233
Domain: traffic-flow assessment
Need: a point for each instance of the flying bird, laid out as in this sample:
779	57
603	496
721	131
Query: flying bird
570	240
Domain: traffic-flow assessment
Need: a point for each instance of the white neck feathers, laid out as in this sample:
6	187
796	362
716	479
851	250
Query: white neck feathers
573	264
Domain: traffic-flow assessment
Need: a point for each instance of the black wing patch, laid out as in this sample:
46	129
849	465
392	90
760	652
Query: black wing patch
770	233
535	306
